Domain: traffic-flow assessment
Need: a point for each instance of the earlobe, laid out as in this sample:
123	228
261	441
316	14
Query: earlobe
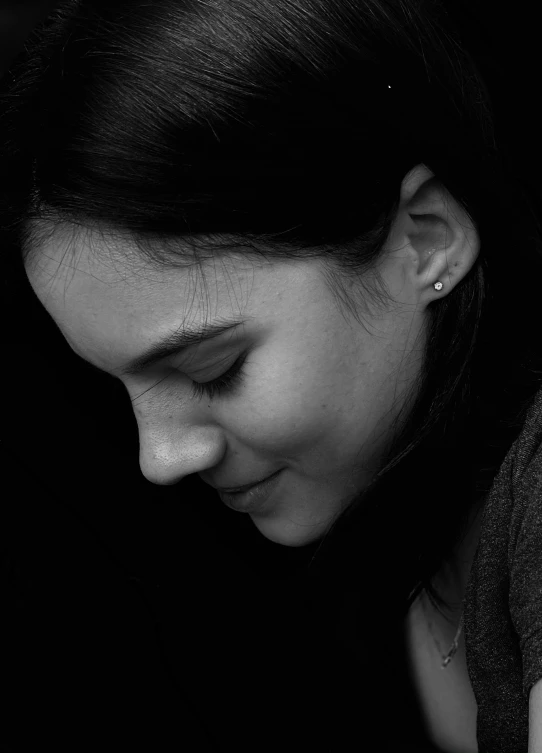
440	268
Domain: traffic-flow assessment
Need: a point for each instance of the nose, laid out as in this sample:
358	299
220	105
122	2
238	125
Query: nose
166	456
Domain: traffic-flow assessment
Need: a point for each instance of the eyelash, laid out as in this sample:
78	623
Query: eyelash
224	383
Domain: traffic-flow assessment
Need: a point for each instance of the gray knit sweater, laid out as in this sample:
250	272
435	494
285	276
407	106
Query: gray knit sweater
503	600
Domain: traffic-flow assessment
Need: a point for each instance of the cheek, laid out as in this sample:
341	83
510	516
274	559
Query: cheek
286	410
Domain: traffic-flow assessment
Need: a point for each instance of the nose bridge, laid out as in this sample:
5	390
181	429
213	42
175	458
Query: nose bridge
159	410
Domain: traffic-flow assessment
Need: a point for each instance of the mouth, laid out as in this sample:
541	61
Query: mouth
245	487
254	498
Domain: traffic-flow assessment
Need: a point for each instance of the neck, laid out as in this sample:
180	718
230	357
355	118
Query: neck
451	582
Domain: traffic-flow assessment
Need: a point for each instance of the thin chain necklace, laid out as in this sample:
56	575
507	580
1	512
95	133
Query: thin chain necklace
449	655
474	530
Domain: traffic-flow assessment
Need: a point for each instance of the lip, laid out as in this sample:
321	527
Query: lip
244	488
254	498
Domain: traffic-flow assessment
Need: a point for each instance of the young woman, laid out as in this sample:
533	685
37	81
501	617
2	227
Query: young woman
295	234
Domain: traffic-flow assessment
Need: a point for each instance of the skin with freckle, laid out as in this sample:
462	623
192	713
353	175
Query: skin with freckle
317	397
323	388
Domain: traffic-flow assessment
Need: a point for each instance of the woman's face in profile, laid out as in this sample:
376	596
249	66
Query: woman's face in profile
318	390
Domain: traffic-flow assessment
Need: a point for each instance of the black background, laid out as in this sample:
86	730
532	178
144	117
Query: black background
153	618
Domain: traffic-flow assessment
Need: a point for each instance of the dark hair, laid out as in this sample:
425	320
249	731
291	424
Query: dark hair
285	129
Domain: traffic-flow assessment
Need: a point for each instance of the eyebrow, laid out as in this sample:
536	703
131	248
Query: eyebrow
178	340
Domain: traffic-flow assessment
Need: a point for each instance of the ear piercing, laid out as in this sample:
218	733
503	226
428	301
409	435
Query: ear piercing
438	285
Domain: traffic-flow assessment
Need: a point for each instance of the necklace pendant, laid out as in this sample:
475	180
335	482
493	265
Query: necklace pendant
449	656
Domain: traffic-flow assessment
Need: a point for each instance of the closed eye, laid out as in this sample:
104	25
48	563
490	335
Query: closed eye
224	383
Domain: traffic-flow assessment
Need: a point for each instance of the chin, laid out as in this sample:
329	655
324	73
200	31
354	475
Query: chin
283	531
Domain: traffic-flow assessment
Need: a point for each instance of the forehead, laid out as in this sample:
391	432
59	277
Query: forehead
92	285
95	266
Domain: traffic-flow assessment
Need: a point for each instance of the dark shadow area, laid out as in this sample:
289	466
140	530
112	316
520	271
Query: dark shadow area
17	19
140	617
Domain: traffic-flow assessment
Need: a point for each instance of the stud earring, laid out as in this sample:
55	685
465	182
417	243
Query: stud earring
438	285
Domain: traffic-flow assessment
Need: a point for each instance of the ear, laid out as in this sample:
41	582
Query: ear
434	235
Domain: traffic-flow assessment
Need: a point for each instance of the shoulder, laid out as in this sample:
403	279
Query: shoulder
523	548
508	561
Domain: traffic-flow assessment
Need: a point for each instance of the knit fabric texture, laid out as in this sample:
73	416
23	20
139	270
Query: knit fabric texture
503	599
